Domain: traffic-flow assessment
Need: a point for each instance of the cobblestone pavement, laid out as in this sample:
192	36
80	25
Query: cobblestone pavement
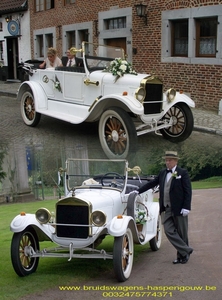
204	120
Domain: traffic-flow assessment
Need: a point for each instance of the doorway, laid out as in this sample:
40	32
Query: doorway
118	42
12	54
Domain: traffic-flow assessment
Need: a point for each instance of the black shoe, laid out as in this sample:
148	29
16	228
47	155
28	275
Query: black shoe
177	261
185	259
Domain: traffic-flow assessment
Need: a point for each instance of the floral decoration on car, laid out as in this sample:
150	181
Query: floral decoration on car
56	84
141	215
118	67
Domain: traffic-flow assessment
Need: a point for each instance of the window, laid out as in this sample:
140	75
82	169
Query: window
41	5
40	49
75	34
116	23
206	37
192	35
0	26
71	39
43	39
1	50
180	38
69	2
49	4
82	35
49	40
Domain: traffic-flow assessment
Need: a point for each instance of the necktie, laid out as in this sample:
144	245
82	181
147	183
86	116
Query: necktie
169	171
70	63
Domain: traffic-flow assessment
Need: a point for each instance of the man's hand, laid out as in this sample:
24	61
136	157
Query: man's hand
184	212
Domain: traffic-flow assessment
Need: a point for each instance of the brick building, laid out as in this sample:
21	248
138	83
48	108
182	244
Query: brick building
180	41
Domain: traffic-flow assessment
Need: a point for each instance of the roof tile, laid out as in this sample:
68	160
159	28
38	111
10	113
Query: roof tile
12	5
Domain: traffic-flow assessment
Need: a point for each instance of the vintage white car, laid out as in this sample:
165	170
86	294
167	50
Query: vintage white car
103	87
100	201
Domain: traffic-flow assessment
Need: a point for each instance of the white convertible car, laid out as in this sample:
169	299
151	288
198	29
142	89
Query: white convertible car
103	87
98	203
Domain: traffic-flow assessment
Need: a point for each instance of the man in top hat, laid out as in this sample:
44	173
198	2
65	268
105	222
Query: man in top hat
175	194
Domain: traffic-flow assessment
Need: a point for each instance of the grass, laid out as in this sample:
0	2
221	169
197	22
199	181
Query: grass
209	183
54	272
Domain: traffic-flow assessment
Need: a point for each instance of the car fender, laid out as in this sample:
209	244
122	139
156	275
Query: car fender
37	91
178	99
128	103
133	104
119	224
154	211
20	222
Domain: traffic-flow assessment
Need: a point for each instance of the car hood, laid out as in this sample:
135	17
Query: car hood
127	80
98	197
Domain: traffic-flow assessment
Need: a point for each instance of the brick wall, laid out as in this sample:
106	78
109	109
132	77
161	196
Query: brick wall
202	82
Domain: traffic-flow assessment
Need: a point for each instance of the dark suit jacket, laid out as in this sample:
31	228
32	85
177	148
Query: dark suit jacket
64	60
180	190
79	61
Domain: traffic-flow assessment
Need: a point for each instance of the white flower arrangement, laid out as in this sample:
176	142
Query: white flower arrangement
118	67
174	174
56	84
141	216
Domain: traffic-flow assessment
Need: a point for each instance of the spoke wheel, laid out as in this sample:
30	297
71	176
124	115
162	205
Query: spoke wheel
181	116
117	133
24	264
123	256
133	203
29	114
155	242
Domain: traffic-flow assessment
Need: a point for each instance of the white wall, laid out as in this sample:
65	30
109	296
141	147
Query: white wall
24	48
24	41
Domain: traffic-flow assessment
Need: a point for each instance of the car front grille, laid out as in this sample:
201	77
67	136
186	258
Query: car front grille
154	96
72	212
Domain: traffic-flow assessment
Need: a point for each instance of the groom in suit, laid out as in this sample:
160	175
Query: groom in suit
71	60
175	204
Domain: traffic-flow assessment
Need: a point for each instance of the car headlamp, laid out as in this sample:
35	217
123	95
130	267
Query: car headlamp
43	215
98	218
140	94
171	94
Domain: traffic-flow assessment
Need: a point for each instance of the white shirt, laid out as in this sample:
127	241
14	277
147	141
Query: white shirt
73	62
169	175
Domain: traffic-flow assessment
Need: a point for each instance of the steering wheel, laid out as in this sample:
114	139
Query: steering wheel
113	183
101	64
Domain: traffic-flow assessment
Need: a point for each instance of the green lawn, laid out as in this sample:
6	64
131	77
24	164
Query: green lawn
210	183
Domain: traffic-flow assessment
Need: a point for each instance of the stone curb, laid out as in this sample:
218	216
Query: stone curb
8	94
207	130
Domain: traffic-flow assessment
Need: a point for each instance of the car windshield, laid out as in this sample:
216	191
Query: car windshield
101	55
99	173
